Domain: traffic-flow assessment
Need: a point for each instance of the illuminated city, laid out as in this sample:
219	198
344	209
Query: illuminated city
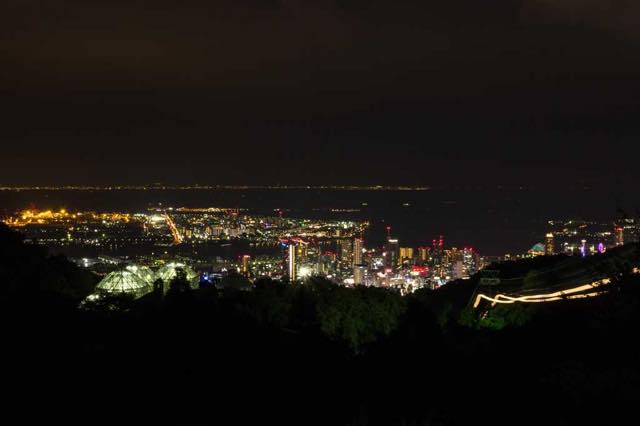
320	212
218	241
278	247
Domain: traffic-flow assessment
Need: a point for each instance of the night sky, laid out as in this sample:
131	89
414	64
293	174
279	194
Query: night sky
319	91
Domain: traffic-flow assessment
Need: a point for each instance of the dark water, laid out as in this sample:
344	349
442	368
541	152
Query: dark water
494	221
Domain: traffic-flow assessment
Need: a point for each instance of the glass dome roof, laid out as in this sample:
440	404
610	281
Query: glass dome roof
124	282
143	272
169	271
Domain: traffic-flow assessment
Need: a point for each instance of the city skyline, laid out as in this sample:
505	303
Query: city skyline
320	212
213	243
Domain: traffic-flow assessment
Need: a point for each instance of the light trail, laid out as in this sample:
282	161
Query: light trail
545	297
177	238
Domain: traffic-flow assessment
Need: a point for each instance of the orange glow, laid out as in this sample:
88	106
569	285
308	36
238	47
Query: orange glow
27	217
177	238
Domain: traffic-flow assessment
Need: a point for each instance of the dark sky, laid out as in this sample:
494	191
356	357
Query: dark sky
319	91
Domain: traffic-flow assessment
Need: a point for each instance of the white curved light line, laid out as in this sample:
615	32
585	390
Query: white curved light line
544	297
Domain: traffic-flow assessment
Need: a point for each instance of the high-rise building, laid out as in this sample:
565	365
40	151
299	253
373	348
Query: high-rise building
293	266
392	252
549	246
471	260
358	274
345	249
357	251
358	264
302	248
423	255
406	254
245	265
438	247
438	251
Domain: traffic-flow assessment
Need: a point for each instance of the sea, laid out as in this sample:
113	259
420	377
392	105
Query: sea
494	221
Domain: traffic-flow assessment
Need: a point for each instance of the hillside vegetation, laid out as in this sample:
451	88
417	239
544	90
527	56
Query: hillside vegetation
317	353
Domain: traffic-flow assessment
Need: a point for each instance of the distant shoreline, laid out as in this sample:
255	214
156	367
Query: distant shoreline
214	187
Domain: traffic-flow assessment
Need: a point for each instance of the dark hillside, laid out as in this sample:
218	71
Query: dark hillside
311	354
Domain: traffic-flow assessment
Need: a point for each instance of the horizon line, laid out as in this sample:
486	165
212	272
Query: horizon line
142	187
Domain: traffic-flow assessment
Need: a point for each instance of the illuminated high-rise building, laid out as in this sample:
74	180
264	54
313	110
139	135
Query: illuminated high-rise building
549	246
438	246
245	265
392	252
471	260
358	274
406	253
302	251
358	264
293	264
423	255
438	251
346	251
357	251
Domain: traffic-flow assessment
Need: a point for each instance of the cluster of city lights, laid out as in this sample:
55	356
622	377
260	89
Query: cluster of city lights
27	217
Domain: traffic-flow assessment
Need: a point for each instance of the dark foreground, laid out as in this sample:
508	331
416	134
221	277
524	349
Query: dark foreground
308	354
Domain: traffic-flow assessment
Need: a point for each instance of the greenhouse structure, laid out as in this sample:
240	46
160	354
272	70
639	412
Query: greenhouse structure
124	282
143	272
169	271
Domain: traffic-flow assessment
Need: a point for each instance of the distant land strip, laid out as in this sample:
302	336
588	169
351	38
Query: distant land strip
213	187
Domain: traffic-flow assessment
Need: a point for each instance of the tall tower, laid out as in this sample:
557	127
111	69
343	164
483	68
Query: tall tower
245	265
358	264
439	256
357	251
438	246
293	266
392	250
